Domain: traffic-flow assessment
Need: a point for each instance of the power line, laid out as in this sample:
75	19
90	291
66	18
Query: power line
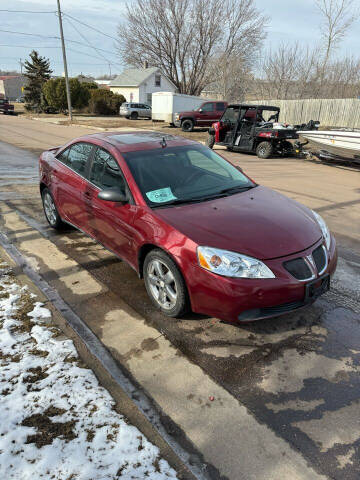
99	55
30	34
27	46
50	46
53	37
72	63
22	11
89	26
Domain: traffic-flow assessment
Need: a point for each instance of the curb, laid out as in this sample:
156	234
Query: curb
130	401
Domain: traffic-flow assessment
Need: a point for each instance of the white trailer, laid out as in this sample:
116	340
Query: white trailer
166	104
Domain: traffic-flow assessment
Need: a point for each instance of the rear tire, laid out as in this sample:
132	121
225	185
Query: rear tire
50	210
187	125
210	141
134	115
264	150
165	284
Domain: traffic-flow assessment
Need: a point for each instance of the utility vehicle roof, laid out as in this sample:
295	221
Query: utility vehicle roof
261	107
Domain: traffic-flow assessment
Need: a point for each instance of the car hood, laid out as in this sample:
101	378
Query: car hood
188	113
259	222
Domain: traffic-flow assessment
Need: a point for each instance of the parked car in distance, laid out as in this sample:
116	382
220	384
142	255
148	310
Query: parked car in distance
6	108
203	116
202	234
20	100
135	110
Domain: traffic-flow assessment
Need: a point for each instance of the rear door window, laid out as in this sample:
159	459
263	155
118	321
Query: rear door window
78	156
63	155
105	171
220	106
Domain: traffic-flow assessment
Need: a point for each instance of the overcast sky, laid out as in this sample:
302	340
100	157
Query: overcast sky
290	21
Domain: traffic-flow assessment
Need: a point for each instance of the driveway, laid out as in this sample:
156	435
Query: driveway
286	391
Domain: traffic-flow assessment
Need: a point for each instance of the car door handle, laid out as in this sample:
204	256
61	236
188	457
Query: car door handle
87	195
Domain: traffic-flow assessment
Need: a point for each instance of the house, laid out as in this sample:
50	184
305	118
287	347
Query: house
11	86
84	79
138	84
103	82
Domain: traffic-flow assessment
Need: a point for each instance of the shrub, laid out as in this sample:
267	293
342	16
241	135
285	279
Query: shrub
105	102
54	91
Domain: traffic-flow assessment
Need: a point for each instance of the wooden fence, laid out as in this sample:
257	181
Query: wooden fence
343	112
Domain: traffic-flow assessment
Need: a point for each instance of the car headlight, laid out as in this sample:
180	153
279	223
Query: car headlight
324	229
231	264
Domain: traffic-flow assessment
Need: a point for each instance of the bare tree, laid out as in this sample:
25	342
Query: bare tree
185	37
293	71
337	17
287	72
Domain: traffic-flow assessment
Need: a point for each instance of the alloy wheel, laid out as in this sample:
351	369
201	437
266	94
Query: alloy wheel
50	209
162	284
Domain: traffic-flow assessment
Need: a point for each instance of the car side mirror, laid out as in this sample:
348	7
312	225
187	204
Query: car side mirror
200	110
110	195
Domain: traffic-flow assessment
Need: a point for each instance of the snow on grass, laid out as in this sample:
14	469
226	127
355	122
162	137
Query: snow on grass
56	422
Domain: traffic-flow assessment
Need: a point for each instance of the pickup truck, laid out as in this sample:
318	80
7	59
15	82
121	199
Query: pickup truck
5	107
203	116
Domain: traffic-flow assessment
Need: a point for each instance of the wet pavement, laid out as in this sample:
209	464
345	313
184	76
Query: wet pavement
297	374
17	166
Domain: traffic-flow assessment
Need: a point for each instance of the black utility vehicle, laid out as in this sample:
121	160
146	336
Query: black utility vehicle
253	128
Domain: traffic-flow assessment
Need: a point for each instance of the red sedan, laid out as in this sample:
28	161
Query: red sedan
202	234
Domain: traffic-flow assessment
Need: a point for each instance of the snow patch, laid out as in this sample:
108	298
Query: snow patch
56	421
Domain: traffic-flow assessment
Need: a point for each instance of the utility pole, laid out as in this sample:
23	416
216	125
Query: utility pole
65	62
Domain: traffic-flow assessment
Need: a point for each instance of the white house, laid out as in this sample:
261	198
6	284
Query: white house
138	84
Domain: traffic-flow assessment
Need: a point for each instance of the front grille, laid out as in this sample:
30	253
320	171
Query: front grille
298	268
319	257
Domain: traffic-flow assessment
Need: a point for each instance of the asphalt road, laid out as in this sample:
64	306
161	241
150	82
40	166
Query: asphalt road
297	376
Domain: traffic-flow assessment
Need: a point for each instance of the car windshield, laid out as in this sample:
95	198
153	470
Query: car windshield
174	175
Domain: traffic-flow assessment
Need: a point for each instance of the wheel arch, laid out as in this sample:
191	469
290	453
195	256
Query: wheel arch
42	187
188	118
147	248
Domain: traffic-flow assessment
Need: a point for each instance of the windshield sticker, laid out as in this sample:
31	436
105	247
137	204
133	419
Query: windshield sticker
161	195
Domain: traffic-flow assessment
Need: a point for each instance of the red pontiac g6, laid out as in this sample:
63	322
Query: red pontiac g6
202	234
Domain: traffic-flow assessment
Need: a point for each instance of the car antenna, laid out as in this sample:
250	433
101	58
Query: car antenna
163	142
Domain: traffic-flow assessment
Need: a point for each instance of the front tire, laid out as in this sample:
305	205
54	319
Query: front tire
50	210
187	125
165	284
264	150
134	116
210	141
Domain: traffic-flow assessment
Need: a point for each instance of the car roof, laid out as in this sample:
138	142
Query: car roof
262	107
126	141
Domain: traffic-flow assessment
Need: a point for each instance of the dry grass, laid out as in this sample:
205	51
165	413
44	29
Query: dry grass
116	122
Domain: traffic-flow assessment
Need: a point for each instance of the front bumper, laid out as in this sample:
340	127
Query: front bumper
243	300
177	123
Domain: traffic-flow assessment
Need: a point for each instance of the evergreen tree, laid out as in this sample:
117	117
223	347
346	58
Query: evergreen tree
37	72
